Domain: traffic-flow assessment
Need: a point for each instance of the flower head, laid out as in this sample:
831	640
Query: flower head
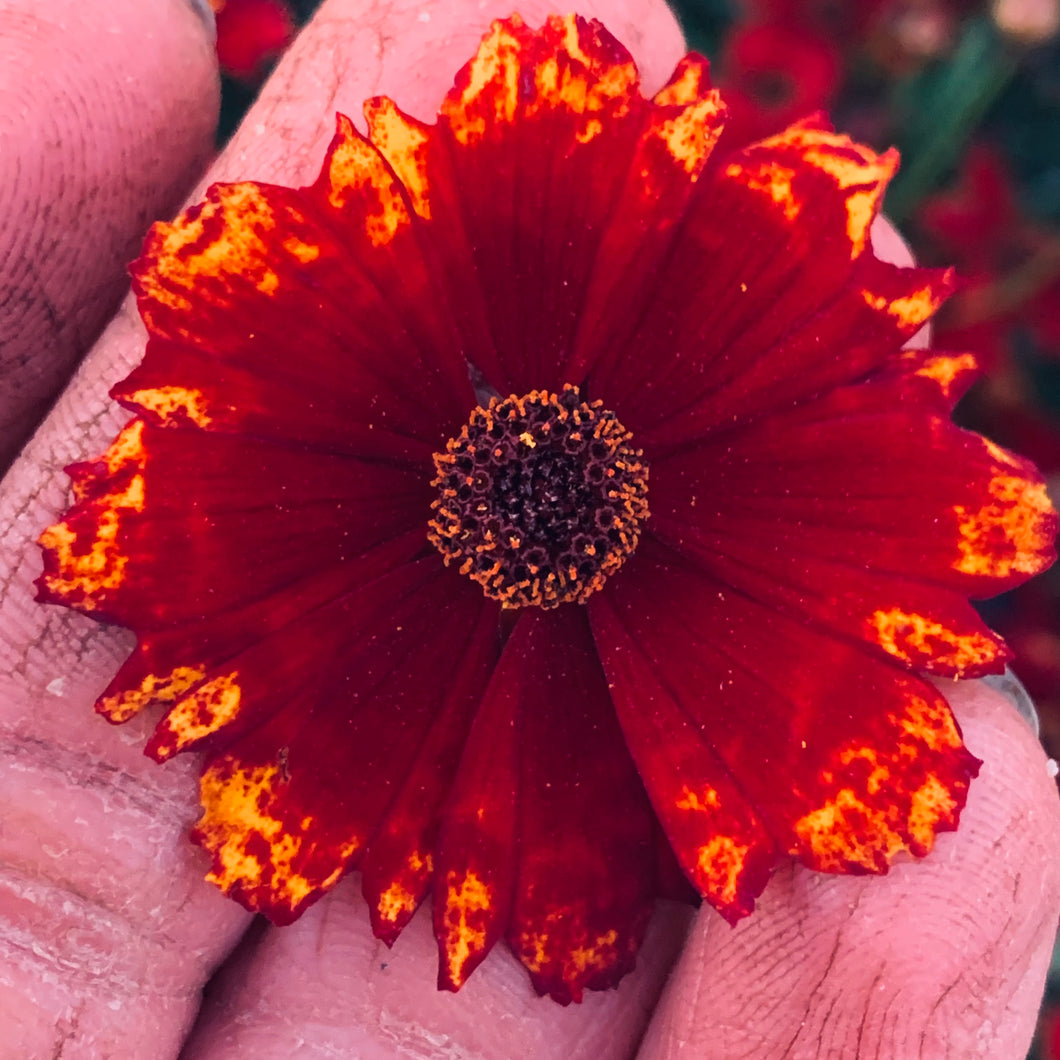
537	503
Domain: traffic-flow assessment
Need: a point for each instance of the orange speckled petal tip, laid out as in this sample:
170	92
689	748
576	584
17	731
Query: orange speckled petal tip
303	783
872	759
805	510
561	334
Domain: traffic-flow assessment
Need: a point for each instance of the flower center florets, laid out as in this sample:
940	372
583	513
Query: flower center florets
541	498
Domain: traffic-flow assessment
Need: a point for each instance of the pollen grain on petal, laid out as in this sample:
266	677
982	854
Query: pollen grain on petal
913	638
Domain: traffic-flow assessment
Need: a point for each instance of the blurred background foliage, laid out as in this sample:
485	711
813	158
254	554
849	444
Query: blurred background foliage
969	91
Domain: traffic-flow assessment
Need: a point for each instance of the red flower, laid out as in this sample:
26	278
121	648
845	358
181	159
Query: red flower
250	33
703	523
774	75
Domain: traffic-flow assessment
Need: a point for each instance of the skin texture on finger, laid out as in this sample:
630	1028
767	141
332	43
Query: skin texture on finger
942	958
107	113
100	853
324	987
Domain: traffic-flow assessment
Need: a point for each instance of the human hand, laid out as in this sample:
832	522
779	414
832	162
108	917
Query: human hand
111	932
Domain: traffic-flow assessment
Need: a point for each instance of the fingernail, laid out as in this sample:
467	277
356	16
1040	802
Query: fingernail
205	11
1008	684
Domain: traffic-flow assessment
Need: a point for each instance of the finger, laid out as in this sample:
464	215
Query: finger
327	987
57	662
106	116
942	957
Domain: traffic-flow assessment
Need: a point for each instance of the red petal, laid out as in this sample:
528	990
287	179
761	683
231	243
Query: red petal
792	304
679	134
808	511
475	865
227	519
294	800
533	211
720	839
307	316
826	753
547	161
544	769
586	872
398	865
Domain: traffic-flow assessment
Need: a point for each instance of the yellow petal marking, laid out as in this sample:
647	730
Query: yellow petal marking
495	68
770	179
1009	534
910	311
87	571
236	814
698	802
397	902
357	172
945	369
846	829
154	688
403	143
856	170
173	405
719	863
690	136
227	236
686	86
592	953
468	901
910	637
207	709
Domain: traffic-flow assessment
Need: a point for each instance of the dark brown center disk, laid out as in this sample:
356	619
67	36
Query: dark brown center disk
541	498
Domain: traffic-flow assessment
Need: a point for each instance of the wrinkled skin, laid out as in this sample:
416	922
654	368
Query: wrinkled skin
108	935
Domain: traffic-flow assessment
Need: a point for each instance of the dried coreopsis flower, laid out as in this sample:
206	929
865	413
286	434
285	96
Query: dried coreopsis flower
537	503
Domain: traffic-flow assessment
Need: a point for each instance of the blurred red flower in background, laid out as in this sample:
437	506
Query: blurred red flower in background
1009	263
251	33
773	74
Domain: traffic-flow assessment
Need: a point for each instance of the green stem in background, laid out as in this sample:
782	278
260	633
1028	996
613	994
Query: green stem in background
940	111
